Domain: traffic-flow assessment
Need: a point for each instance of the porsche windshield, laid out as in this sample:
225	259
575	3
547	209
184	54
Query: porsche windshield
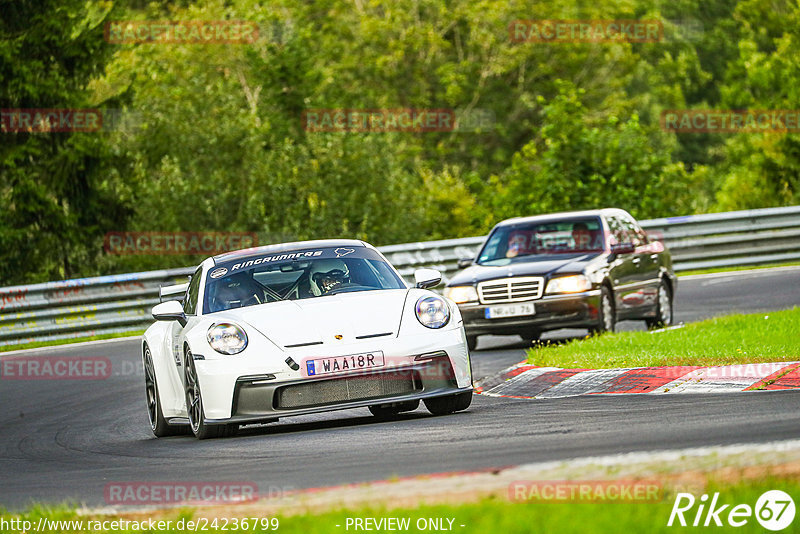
295	276
548	238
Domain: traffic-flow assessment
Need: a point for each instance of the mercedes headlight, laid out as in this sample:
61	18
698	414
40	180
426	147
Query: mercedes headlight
569	284
461	294
433	312
227	338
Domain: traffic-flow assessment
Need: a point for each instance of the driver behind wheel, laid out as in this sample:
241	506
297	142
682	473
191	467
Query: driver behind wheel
585	239
327	275
233	292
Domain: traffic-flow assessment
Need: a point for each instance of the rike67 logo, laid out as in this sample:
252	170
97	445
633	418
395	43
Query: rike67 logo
774	510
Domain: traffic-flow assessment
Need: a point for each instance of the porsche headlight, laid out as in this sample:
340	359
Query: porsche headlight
432	312
461	294
227	338
569	284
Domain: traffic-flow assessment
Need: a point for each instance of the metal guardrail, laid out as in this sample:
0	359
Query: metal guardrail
81	307
120	303
737	238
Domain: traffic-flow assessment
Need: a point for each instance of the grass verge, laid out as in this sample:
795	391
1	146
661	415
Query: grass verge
496	514
56	342
751	338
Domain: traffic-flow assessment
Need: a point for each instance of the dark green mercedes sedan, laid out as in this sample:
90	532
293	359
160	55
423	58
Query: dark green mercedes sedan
585	269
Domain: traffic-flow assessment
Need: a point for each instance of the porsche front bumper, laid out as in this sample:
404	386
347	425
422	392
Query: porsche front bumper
425	366
256	399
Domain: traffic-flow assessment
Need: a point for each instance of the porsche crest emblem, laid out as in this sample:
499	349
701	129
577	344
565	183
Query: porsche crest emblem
338	336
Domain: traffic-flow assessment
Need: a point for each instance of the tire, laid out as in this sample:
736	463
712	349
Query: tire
607	319
472	342
449	404
531	335
388	411
664	308
160	427
194	407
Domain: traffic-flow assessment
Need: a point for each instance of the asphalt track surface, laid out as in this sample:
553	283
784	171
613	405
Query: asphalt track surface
65	440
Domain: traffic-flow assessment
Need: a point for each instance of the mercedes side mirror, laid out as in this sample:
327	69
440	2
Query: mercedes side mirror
623	248
463	263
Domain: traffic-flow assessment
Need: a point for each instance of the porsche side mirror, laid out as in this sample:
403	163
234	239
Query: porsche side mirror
171	310
425	278
463	263
623	248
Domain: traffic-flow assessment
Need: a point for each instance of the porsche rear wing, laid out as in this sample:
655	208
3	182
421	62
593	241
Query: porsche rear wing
174	292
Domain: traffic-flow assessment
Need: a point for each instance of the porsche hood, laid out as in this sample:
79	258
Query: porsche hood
352	316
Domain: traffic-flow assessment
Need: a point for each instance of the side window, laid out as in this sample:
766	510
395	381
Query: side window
190	303
635	233
496	247
642	235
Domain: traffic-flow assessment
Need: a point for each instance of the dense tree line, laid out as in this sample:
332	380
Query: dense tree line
209	137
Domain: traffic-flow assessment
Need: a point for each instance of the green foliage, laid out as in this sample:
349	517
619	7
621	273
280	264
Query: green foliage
576	165
763	169
55	192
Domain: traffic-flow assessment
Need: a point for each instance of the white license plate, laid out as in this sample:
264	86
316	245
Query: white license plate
509	310
337	364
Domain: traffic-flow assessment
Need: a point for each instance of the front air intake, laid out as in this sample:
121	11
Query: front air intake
340	390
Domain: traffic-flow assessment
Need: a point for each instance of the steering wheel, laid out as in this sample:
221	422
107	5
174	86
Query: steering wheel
345	287
249	301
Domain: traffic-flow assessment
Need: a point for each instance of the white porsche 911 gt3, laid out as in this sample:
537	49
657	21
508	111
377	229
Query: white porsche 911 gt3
299	328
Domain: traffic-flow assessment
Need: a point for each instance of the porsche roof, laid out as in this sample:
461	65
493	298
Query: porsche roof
285	247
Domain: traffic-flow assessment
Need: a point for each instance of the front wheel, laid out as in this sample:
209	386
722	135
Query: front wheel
194	406
607	316
449	404
663	308
531	335
158	424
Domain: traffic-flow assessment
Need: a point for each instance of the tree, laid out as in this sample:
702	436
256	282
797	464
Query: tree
55	188
575	164
763	169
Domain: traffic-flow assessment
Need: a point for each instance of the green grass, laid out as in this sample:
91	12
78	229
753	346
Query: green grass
499	515
752	338
740	268
38	344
